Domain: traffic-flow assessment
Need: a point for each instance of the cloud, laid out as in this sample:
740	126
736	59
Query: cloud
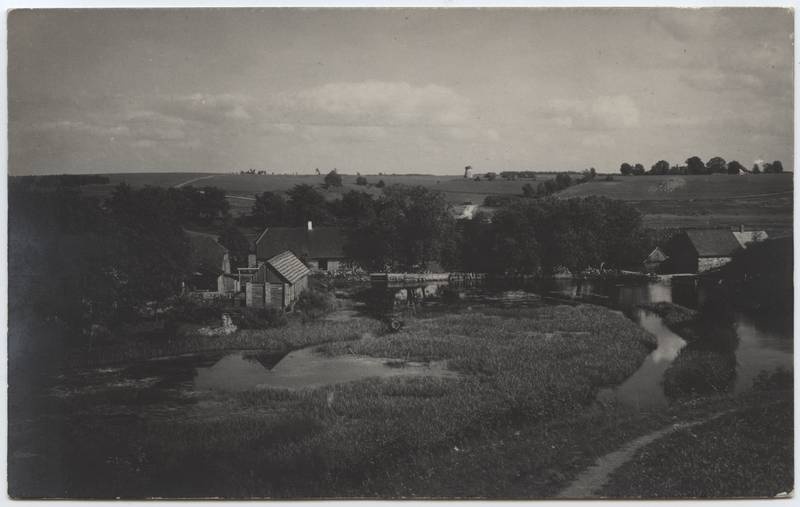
604	112
205	107
374	103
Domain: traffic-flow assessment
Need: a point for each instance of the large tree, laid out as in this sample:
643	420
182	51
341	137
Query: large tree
307	204
270	210
716	165
660	167
695	165
412	228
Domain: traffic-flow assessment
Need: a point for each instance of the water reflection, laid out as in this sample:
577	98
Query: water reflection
303	369
643	388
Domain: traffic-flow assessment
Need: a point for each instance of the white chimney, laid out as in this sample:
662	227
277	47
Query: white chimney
310	227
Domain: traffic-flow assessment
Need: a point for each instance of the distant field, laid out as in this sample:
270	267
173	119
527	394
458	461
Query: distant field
653	188
456	188
756	201
761	201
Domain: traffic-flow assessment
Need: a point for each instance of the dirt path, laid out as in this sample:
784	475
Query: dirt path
183	183
596	476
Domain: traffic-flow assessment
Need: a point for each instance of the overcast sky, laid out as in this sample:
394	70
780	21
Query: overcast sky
381	90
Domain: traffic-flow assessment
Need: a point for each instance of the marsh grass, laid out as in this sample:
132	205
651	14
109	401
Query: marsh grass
530	366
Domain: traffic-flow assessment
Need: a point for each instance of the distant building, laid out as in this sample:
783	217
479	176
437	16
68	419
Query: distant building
321	248
468	172
210	265
745	238
654	262
277	282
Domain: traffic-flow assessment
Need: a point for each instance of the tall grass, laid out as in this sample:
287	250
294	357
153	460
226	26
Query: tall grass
532	365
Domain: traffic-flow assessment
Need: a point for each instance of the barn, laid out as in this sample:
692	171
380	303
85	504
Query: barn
278	282
700	250
320	248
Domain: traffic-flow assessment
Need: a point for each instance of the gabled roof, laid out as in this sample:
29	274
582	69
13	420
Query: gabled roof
319	243
204	250
713	242
657	255
288	266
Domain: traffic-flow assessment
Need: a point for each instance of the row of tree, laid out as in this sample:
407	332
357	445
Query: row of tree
560	182
695	165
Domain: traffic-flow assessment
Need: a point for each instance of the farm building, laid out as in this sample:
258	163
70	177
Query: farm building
278	282
746	237
700	250
321	248
655	260
210	264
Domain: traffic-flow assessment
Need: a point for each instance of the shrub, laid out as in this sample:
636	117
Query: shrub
313	304
380	184
361	181
259	318
196	312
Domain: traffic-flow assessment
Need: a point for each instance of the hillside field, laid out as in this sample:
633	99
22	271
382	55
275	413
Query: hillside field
761	201
756	201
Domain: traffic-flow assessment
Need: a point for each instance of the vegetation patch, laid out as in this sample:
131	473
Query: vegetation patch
745	454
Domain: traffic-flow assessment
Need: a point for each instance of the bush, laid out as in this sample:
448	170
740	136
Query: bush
313	304
259	318
361	181
380	184
196	312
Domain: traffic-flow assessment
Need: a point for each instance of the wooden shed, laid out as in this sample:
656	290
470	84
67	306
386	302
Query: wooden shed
278	282
655	260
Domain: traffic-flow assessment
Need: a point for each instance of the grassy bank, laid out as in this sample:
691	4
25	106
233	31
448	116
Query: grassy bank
747	453
526	367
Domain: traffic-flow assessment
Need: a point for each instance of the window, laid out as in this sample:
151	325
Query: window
323	264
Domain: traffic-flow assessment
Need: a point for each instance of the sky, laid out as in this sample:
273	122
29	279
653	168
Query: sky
396	90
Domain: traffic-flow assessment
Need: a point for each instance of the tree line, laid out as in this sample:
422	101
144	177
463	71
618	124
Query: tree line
695	165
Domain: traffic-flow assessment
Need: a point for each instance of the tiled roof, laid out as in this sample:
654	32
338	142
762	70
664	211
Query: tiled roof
713	242
319	243
288	266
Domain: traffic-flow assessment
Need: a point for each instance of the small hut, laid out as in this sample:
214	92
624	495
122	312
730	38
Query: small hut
278	282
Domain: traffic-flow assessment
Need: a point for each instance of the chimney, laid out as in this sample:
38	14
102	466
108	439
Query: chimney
251	260
310	227
741	227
